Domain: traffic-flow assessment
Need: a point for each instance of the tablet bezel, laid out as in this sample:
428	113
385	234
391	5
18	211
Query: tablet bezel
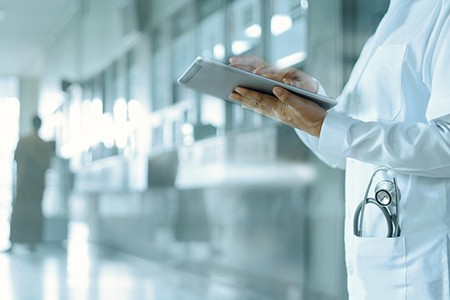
220	80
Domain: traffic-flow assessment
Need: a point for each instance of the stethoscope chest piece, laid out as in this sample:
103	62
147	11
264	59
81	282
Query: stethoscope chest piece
386	192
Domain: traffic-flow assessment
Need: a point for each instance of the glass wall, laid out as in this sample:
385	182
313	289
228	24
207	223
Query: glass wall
217	29
161	91
245	24
288	34
135	107
211	42
161	83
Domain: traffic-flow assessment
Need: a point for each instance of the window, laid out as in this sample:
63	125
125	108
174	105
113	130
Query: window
245	26
211	43
183	45
288	32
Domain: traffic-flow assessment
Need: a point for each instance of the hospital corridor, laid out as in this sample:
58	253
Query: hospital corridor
224	149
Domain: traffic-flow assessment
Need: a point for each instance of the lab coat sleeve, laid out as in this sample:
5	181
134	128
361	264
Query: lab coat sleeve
421	149
333	159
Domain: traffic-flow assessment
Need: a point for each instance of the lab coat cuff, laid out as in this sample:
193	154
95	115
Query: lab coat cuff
334	132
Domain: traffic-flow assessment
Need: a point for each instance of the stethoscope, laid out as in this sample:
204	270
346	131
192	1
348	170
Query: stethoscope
387	198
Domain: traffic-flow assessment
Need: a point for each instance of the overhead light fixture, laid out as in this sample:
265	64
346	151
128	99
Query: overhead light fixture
219	51
280	24
239	47
291	60
253	31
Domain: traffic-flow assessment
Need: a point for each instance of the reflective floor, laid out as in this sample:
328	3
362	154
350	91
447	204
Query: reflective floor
78	270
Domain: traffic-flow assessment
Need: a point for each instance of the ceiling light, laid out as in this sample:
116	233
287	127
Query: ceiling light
239	47
253	31
290	60
280	24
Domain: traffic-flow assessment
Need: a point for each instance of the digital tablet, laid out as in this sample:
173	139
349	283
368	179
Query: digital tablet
220	80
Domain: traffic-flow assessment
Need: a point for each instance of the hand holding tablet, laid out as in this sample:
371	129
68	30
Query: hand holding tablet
220	80
293	106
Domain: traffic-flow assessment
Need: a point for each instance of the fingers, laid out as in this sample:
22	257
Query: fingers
292	76
290	99
244	101
259	66
289	76
275	77
253	98
306	83
285	107
249	68
270	72
258	102
312	110
254	105
248	60
265	69
260	98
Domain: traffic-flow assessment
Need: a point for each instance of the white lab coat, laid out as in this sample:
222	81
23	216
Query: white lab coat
395	112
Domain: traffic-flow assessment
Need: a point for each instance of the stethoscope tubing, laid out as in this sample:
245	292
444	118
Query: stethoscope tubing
391	217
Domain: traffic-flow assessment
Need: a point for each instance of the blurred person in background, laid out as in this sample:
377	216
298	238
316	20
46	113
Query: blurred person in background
393	115
33	157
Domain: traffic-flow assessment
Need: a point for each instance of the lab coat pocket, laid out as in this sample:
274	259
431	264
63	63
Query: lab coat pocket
378	94
380	264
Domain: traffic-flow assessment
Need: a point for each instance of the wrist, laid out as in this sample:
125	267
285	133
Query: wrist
317	128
